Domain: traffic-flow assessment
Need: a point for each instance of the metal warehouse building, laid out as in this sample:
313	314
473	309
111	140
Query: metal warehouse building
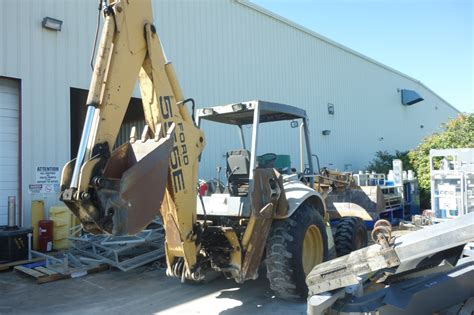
224	51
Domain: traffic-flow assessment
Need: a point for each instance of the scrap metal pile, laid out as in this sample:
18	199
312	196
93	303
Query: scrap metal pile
397	274
122	252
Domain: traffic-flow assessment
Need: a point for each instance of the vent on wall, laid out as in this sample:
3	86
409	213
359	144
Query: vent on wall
410	97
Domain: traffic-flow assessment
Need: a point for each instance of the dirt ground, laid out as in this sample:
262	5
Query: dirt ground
145	290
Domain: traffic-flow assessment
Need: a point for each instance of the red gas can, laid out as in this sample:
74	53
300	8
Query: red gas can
45	235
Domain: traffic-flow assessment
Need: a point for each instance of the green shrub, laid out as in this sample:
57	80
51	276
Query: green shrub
457	133
382	161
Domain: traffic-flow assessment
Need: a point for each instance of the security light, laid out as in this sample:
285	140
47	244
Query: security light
237	107
52	24
326	132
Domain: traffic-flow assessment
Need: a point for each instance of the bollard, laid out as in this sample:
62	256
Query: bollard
11	211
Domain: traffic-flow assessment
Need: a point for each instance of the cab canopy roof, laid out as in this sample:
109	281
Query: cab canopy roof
243	113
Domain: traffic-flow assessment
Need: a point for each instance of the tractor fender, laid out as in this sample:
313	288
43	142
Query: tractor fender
298	193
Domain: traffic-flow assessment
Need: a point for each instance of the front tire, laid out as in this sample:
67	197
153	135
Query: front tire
295	245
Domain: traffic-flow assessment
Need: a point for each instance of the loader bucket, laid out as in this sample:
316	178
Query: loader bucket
365	202
142	168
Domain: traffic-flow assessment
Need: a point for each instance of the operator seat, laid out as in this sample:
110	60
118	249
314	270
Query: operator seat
238	171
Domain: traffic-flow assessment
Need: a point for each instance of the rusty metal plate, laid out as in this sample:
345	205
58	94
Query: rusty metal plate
142	186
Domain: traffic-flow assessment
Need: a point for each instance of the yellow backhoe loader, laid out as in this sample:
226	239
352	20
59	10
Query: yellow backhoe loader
264	213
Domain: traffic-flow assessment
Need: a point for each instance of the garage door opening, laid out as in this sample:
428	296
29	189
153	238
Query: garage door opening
133	117
9	144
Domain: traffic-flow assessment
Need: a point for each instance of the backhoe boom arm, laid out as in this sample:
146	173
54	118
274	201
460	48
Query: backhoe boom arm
120	192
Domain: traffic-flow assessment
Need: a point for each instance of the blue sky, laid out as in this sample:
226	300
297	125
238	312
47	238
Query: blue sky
430	40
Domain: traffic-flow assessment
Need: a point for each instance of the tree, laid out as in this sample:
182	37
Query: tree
382	161
457	133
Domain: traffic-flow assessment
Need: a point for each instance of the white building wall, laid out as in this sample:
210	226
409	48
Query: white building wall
224	51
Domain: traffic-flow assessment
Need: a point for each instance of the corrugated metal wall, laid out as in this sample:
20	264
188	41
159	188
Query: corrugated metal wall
48	64
232	52
224	52
126	129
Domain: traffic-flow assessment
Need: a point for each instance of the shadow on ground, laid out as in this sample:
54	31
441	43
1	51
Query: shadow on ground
141	291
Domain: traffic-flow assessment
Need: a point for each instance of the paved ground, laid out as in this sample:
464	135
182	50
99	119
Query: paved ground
142	291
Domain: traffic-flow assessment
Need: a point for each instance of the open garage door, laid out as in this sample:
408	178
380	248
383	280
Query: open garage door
133	117
9	144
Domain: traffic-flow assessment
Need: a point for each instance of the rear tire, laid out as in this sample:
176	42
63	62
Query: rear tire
287	266
351	235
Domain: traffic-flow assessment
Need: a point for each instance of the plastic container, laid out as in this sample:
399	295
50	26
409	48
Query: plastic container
13	243
390	176
62	218
37	214
45	236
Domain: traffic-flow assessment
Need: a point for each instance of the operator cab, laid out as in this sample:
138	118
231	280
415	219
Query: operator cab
232	198
238	169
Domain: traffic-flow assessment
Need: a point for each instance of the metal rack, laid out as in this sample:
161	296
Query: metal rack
122	252
452	182
90	251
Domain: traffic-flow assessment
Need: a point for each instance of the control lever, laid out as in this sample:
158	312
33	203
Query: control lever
228	176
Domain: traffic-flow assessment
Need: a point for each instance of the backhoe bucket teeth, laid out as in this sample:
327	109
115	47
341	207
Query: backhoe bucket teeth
143	166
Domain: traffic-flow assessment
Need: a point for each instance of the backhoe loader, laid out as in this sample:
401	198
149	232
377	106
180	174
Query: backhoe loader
264	213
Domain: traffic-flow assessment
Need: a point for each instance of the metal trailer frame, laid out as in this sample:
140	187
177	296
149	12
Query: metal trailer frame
122	252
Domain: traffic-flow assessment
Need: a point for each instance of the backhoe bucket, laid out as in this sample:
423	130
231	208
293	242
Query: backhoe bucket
142	167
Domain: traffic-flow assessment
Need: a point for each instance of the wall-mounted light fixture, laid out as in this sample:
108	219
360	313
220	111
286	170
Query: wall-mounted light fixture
330	109
52	24
326	132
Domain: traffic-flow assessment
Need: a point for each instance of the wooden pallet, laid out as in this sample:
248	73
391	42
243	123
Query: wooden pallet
8	266
45	275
